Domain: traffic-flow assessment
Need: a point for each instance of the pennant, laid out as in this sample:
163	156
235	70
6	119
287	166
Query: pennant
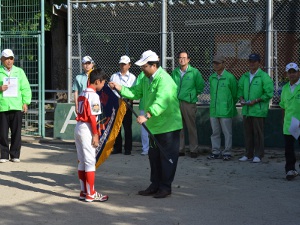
109	123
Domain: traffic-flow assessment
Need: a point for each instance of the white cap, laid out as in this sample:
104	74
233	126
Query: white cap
86	59
147	56
7	53
124	59
291	66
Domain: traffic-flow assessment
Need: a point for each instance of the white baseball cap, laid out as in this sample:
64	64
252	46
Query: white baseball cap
86	59
124	59
147	56
7	53
291	66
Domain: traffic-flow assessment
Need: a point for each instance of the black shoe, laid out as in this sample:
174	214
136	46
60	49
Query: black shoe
127	153
194	155
161	194
116	152
226	157
181	154
149	191
214	156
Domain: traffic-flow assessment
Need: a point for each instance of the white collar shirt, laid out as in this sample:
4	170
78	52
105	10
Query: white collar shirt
292	87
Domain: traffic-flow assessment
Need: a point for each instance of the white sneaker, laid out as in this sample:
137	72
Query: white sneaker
244	159
291	174
3	160
16	160
144	153
96	197
256	160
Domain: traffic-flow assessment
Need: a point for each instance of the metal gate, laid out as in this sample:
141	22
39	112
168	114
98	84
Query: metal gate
21	30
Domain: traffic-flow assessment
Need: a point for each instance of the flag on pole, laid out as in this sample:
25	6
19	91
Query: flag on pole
110	122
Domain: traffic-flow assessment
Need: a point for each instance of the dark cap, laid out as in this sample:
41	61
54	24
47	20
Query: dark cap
254	57
219	58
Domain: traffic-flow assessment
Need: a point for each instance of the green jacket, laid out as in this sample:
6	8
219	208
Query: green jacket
190	86
223	95
160	101
290	102
261	87
24	91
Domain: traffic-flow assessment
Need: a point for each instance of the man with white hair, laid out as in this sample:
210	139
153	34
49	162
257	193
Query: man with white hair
163	119
15	96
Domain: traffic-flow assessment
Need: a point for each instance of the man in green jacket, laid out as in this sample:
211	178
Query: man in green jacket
255	89
15	95
190	84
290	103
163	119
223	97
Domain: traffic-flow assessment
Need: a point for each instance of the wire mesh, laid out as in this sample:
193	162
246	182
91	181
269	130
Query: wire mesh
234	28
20	31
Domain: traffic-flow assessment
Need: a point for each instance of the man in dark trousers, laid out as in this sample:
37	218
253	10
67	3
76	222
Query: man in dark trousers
163	119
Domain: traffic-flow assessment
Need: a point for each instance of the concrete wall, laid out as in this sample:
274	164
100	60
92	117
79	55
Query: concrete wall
64	124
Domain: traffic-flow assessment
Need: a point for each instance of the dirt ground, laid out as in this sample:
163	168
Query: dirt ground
43	189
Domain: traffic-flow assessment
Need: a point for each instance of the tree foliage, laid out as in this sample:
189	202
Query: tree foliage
48	12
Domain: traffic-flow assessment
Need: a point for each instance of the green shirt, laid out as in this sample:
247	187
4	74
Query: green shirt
80	83
24	90
290	102
160	100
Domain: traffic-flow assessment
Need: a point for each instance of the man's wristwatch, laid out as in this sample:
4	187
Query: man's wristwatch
146	116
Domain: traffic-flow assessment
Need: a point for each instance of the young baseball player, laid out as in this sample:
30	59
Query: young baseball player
87	136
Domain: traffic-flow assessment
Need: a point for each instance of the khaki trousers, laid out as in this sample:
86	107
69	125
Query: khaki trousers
188	112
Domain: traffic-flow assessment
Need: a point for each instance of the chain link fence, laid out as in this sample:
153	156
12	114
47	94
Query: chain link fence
236	28
20	31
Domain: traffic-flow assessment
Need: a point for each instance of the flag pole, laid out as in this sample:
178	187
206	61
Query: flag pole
146	128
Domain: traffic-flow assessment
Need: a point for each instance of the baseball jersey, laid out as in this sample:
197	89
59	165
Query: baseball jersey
89	107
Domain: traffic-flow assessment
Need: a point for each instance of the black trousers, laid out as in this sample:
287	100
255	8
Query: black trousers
162	170
290	157
10	120
127	125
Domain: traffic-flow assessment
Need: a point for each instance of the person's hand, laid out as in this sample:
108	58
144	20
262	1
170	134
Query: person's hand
253	102
141	119
242	101
4	87
24	108
114	85
95	140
